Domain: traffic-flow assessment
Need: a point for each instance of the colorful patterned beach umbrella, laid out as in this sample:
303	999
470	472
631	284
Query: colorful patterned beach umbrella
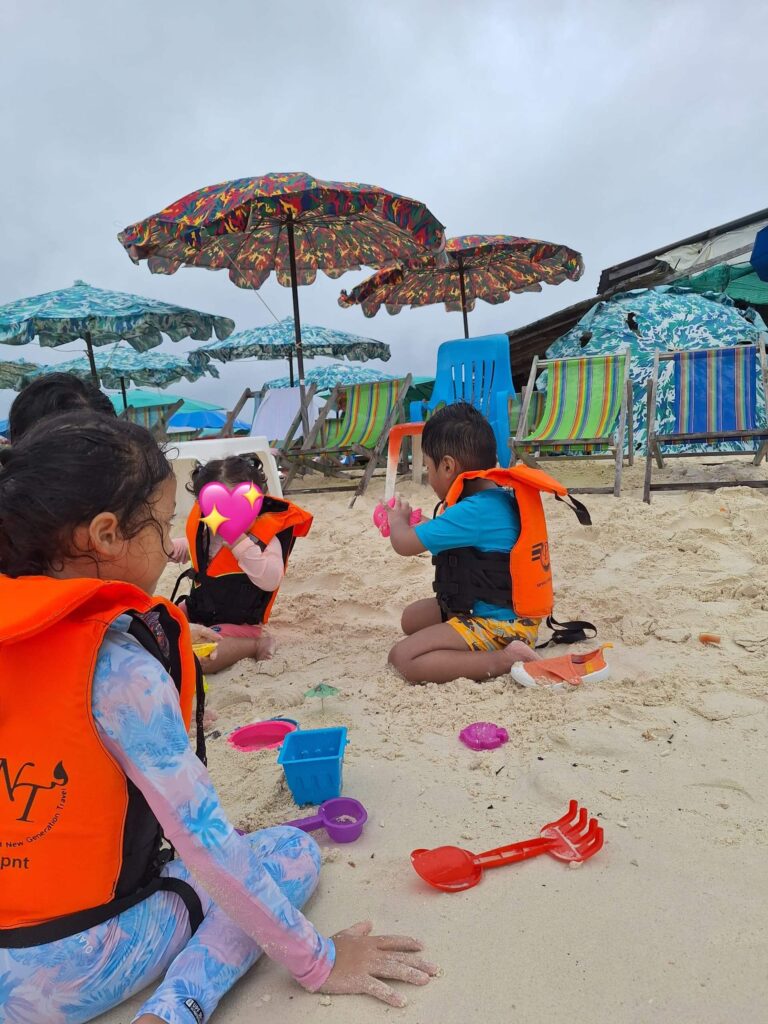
101	317
291	223
15	372
327	377
488	267
668	318
145	369
278	341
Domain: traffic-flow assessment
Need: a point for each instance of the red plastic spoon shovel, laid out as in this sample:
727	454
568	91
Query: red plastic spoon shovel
574	837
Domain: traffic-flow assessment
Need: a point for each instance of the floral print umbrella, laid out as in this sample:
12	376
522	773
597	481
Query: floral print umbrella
291	223
663	319
146	369
101	317
327	377
277	341
15	372
488	267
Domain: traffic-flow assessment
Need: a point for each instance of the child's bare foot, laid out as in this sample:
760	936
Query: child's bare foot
516	651
149	1018
266	646
209	717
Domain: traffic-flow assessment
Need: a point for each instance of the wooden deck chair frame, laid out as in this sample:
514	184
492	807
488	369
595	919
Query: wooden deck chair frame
280	444
656	440
327	460
159	429
523	450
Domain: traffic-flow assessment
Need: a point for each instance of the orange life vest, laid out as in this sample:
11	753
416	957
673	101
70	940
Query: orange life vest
221	591
520	579
78	842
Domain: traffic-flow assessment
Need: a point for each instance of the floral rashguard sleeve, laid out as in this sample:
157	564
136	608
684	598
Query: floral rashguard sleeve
136	709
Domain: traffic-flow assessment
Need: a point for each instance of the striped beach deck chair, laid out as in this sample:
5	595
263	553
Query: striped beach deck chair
587	413
715	402
368	411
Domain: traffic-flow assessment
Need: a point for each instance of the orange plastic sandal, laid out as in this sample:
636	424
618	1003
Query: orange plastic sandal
563	673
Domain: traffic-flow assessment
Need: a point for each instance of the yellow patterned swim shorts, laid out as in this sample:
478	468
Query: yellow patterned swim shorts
494	634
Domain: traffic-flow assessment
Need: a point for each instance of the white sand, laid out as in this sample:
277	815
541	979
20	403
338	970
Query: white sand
668	923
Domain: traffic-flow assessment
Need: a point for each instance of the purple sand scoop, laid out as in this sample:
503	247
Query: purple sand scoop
343	819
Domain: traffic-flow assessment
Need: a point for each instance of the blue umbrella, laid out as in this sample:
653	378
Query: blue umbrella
663	319
101	317
193	414
277	341
327	377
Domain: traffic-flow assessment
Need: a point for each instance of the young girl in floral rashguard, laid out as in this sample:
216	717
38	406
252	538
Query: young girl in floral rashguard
96	770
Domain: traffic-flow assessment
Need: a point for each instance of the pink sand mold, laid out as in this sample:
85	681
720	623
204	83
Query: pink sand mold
381	517
483	736
261	735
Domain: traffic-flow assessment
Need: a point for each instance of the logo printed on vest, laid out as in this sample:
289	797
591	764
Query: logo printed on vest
195	1009
540	553
25	788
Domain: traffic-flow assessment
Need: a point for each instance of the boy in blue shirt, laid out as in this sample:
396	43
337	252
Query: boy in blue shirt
486	639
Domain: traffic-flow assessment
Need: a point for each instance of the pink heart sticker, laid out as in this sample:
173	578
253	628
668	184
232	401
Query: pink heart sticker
230	513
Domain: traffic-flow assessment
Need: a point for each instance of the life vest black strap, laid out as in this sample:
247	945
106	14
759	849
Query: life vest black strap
83	920
581	510
575	631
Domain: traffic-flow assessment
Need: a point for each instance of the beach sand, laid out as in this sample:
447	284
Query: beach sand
668	923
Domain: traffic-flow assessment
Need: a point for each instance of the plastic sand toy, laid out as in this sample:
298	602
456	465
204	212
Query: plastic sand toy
483	736
574	838
262	735
381	517
563	673
343	819
205	649
312	761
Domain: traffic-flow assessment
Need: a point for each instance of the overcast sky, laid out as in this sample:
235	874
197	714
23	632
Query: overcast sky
614	127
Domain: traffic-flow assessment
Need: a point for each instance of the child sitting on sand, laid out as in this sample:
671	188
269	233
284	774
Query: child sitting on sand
99	683
470	629
234	585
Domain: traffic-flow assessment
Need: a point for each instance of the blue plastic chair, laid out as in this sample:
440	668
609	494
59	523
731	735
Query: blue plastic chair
474	370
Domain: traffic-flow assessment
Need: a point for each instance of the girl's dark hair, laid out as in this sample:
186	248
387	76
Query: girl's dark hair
62	474
235	469
461	431
54	393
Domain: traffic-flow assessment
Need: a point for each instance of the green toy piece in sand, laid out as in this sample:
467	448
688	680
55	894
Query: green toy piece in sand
322	690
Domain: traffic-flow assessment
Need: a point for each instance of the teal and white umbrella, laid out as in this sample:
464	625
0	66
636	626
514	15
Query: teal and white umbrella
327	377
100	317
667	318
121	364
277	341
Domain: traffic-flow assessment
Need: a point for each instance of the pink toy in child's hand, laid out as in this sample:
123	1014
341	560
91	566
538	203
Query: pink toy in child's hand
381	517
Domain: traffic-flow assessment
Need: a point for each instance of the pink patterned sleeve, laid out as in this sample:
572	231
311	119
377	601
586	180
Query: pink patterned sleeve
263	568
179	550
136	708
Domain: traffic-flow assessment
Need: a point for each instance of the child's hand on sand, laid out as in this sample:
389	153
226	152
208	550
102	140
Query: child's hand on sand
204	635
363	960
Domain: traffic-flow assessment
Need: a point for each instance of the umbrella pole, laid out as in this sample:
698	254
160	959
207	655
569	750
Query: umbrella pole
463	294
290	368
91	359
297	327
125	396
